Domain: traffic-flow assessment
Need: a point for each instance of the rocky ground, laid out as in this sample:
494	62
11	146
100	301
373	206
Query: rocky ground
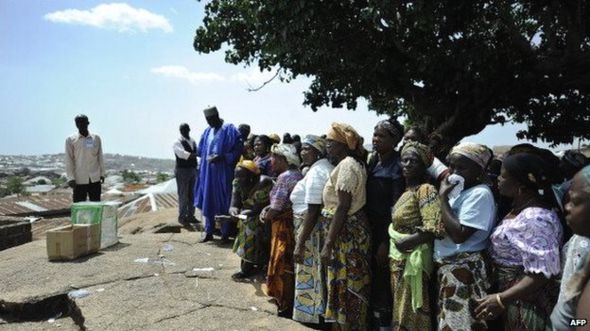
149	281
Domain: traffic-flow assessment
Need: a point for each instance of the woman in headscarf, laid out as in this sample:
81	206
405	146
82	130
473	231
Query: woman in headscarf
249	196
468	219
307	205
385	184
524	248
280	280
348	239
416	222
262	145
437	170
248	153
574	295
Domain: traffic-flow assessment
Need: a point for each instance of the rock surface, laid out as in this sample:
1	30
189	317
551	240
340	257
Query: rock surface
147	281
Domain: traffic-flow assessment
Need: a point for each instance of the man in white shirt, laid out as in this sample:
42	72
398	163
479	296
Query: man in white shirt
84	162
185	150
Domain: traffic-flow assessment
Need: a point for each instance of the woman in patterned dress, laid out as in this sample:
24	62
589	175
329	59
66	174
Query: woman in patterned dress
525	248
309	303
468	218
249	196
348	239
416	221
280	278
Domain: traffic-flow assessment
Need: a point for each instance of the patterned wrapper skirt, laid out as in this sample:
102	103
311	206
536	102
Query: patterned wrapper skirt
309	277
404	317
348	273
531	313
250	244
462	279
280	277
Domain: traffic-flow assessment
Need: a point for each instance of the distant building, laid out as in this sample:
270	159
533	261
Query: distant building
39	180
39	189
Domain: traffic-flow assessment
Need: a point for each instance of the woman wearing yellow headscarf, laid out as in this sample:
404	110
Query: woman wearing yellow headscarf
416	221
348	238
251	192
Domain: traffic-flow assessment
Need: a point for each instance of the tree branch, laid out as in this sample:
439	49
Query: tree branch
265	83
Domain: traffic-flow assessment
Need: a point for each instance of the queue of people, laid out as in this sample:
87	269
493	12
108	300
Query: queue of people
398	239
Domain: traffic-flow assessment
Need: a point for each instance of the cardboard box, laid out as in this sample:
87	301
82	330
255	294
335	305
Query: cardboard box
103	213
72	241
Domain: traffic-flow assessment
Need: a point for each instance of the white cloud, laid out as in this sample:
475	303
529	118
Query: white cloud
183	73
115	16
253	77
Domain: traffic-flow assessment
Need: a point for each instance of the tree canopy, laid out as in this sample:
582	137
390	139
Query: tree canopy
451	66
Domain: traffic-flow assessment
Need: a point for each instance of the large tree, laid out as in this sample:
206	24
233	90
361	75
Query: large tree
452	66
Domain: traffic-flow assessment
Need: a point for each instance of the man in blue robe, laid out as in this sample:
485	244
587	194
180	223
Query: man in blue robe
219	149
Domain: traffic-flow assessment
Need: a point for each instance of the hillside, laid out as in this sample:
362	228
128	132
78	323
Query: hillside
14	164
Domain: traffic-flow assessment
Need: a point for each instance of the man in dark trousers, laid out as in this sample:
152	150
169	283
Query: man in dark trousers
185	150
84	162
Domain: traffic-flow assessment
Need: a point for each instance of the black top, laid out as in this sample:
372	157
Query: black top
191	162
385	184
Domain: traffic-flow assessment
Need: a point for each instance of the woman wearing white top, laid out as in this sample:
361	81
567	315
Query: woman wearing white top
307	205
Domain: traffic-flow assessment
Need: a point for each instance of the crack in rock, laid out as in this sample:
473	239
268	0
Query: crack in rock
217	305
35	311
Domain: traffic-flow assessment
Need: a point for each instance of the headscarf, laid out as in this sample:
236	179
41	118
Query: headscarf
344	133
477	153
288	151
421	150
392	126
528	169
317	142
250	166
275	138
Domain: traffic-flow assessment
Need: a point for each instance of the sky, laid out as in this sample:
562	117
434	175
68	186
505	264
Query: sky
131	68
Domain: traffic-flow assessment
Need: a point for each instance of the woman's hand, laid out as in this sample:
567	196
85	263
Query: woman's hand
489	308
446	187
326	254
234	211
263	213
404	245
246	212
298	253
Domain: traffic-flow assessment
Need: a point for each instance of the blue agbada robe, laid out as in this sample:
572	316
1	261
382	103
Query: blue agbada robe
214	187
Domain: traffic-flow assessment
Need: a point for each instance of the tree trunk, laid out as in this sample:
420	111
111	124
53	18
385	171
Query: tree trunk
448	133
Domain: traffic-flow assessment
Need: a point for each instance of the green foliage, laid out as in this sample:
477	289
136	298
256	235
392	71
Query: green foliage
130	176
452	67
14	185
162	177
